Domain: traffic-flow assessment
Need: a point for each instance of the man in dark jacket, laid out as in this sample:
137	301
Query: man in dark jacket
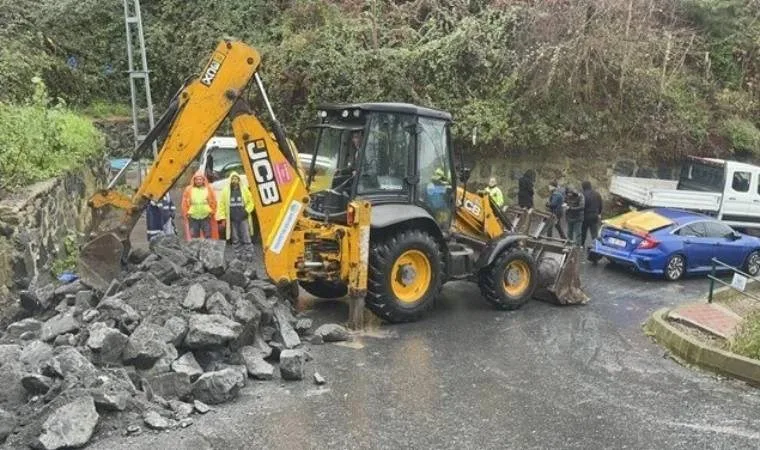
525	189
556	206
574	215
592	212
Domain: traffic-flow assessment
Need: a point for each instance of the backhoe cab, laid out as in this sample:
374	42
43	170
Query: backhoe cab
425	229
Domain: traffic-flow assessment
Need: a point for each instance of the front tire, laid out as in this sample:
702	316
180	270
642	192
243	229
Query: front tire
675	268
752	266
405	276
510	281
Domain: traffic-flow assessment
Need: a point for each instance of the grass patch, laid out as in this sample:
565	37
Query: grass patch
104	110
747	339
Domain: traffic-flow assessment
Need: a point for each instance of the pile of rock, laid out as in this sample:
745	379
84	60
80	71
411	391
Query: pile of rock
185	328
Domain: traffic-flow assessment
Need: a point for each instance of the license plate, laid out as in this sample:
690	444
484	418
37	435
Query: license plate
616	242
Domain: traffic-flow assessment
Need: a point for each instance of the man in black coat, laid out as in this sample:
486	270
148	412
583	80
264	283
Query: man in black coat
525	189
592	212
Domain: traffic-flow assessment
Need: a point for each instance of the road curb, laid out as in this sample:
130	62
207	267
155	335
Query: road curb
694	352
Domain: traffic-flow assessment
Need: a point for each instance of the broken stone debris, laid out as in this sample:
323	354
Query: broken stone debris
182	330
331	332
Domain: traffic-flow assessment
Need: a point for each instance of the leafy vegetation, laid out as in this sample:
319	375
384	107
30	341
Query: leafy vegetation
747	339
39	140
671	77
67	258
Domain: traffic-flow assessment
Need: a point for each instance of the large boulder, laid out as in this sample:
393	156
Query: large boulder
195	298
146	345
217	304
106	343
292	364
28	325
218	387
35	354
211	255
7	424
188	365
166	271
71	425
287	334
60	324
170	385
210	330
114	308
112	392
235	274
70	365
38	299
177	327
331	332
255	364
9	353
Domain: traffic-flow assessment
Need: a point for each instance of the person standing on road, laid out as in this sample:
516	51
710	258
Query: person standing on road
199	209
495	193
159	217
574	215
235	211
556	206
525	189
592	212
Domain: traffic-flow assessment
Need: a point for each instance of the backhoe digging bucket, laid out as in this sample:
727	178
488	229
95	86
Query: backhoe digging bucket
101	258
558	262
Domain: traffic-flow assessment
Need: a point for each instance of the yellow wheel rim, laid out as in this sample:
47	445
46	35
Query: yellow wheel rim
516	278
410	276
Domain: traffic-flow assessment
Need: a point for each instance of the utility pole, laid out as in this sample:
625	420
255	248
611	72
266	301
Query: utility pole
139	76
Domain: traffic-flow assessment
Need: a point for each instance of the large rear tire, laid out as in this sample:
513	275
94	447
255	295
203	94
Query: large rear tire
405	276
324	289
509	282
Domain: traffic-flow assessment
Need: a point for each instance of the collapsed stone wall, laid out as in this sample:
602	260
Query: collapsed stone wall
35	221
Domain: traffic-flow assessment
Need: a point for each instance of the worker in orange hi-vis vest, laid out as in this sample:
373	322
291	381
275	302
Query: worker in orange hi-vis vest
199	209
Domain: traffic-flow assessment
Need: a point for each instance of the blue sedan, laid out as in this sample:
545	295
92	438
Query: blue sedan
671	243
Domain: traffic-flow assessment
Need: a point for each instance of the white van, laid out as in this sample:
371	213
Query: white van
727	190
222	156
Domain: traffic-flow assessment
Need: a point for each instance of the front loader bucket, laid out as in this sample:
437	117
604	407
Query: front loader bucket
557	261
559	275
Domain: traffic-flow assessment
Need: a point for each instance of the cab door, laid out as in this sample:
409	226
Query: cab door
740	195
435	186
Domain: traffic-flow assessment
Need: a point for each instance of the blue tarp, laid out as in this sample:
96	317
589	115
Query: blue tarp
119	163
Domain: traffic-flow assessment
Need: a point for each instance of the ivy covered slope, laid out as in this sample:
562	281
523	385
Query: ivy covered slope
661	78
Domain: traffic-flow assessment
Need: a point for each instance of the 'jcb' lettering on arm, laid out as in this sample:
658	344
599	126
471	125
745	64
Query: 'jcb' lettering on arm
263	174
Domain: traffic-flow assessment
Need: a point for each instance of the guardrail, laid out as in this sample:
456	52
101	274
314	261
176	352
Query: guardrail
738	284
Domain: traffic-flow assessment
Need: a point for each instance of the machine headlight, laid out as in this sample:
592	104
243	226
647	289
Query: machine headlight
322	114
344	114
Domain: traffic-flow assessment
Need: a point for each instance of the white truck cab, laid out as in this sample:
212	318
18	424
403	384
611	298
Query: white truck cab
727	190
219	159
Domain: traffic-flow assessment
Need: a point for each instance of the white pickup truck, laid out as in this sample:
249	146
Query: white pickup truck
727	190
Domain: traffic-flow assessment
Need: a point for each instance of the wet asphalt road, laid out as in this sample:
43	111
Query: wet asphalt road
468	376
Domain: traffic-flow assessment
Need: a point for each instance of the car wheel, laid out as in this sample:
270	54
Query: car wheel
752	266
675	268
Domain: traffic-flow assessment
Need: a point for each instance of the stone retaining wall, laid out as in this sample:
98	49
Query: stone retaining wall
35	221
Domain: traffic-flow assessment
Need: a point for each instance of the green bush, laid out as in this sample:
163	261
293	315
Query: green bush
38	141
67	258
747	339
743	135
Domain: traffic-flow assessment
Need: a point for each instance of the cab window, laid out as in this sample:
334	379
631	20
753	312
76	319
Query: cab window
740	182
386	154
696	229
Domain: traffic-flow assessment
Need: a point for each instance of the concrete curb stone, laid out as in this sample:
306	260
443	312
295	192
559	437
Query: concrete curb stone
694	352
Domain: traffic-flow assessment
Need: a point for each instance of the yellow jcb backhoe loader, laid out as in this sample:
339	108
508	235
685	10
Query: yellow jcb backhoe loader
391	225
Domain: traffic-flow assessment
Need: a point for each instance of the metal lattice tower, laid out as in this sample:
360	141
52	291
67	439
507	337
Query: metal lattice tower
138	73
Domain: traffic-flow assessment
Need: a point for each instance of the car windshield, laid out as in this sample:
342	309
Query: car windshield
225	161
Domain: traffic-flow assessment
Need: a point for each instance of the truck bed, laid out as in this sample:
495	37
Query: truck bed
653	193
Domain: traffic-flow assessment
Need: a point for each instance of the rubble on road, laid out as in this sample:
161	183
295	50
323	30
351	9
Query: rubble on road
182	329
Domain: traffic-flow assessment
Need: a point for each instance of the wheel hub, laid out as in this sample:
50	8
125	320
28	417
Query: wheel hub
513	276
406	275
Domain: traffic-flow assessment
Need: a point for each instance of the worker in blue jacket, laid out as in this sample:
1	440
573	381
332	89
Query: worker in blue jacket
160	217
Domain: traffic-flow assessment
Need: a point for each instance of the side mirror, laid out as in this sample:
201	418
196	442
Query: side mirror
464	174
735	236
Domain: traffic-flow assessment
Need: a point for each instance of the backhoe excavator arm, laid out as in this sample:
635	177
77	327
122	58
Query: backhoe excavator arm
193	117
